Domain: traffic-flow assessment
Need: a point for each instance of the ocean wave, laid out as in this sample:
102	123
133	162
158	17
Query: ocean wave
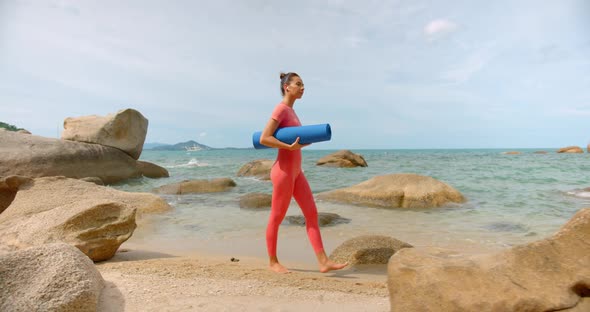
192	163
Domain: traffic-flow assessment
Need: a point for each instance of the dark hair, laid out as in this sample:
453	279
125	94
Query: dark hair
285	79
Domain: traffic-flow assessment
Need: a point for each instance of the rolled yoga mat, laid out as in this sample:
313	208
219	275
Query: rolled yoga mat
307	134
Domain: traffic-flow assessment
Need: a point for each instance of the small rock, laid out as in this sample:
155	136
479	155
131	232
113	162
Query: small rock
324	219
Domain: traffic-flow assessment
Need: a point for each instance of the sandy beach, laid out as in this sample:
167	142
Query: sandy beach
142	280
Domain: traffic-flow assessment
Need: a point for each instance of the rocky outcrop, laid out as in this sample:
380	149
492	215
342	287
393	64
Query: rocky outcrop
367	249
571	149
124	130
324	219
259	168
94	218
23	131
35	156
150	170
342	159
588	148
256	200
51	277
396	191
197	186
548	275
512	153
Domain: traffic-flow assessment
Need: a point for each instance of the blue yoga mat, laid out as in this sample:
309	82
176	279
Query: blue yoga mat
307	134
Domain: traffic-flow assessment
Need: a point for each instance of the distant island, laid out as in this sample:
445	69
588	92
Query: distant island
189	146
183	146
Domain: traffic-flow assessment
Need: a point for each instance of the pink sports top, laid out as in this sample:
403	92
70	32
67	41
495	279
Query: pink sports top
286	117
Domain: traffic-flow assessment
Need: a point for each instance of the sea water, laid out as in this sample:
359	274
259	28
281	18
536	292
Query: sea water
511	199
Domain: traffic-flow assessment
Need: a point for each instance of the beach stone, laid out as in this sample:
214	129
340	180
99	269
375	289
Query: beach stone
256	200
367	249
94	218
324	219
50	277
512	153
402	190
342	159
259	168
8	189
35	156
571	149
124	130
552	274
506	226
152	170
197	186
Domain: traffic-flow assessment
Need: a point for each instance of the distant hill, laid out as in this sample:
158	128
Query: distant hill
152	145
181	146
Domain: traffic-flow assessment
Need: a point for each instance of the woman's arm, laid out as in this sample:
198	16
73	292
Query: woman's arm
267	138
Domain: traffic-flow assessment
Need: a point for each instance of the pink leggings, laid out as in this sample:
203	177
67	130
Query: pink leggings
287	184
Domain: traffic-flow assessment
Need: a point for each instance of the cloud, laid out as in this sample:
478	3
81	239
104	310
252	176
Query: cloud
439	27
203	134
471	65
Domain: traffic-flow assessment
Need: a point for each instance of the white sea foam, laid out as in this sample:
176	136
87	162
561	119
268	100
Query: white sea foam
580	193
192	163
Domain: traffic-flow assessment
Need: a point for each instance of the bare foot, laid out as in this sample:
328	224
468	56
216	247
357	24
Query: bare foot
332	266
278	268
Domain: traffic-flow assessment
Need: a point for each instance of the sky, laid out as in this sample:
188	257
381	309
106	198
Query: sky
384	74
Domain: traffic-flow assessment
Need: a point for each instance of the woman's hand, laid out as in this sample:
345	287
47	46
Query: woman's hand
296	146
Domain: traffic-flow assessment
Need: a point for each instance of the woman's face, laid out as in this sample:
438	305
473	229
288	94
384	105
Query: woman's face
295	87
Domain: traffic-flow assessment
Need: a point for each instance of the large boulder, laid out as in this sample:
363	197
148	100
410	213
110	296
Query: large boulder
368	249
124	130
94	218
256	200
324	219
259	168
51	277
35	156
588	148
342	159
197	186
571	149
396	191
547	275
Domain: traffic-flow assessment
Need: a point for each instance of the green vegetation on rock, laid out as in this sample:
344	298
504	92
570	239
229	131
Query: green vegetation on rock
9	127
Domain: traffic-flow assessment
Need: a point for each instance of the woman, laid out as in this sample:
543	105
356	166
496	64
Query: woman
288	179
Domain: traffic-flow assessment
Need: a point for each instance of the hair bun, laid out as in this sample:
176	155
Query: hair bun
283	75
